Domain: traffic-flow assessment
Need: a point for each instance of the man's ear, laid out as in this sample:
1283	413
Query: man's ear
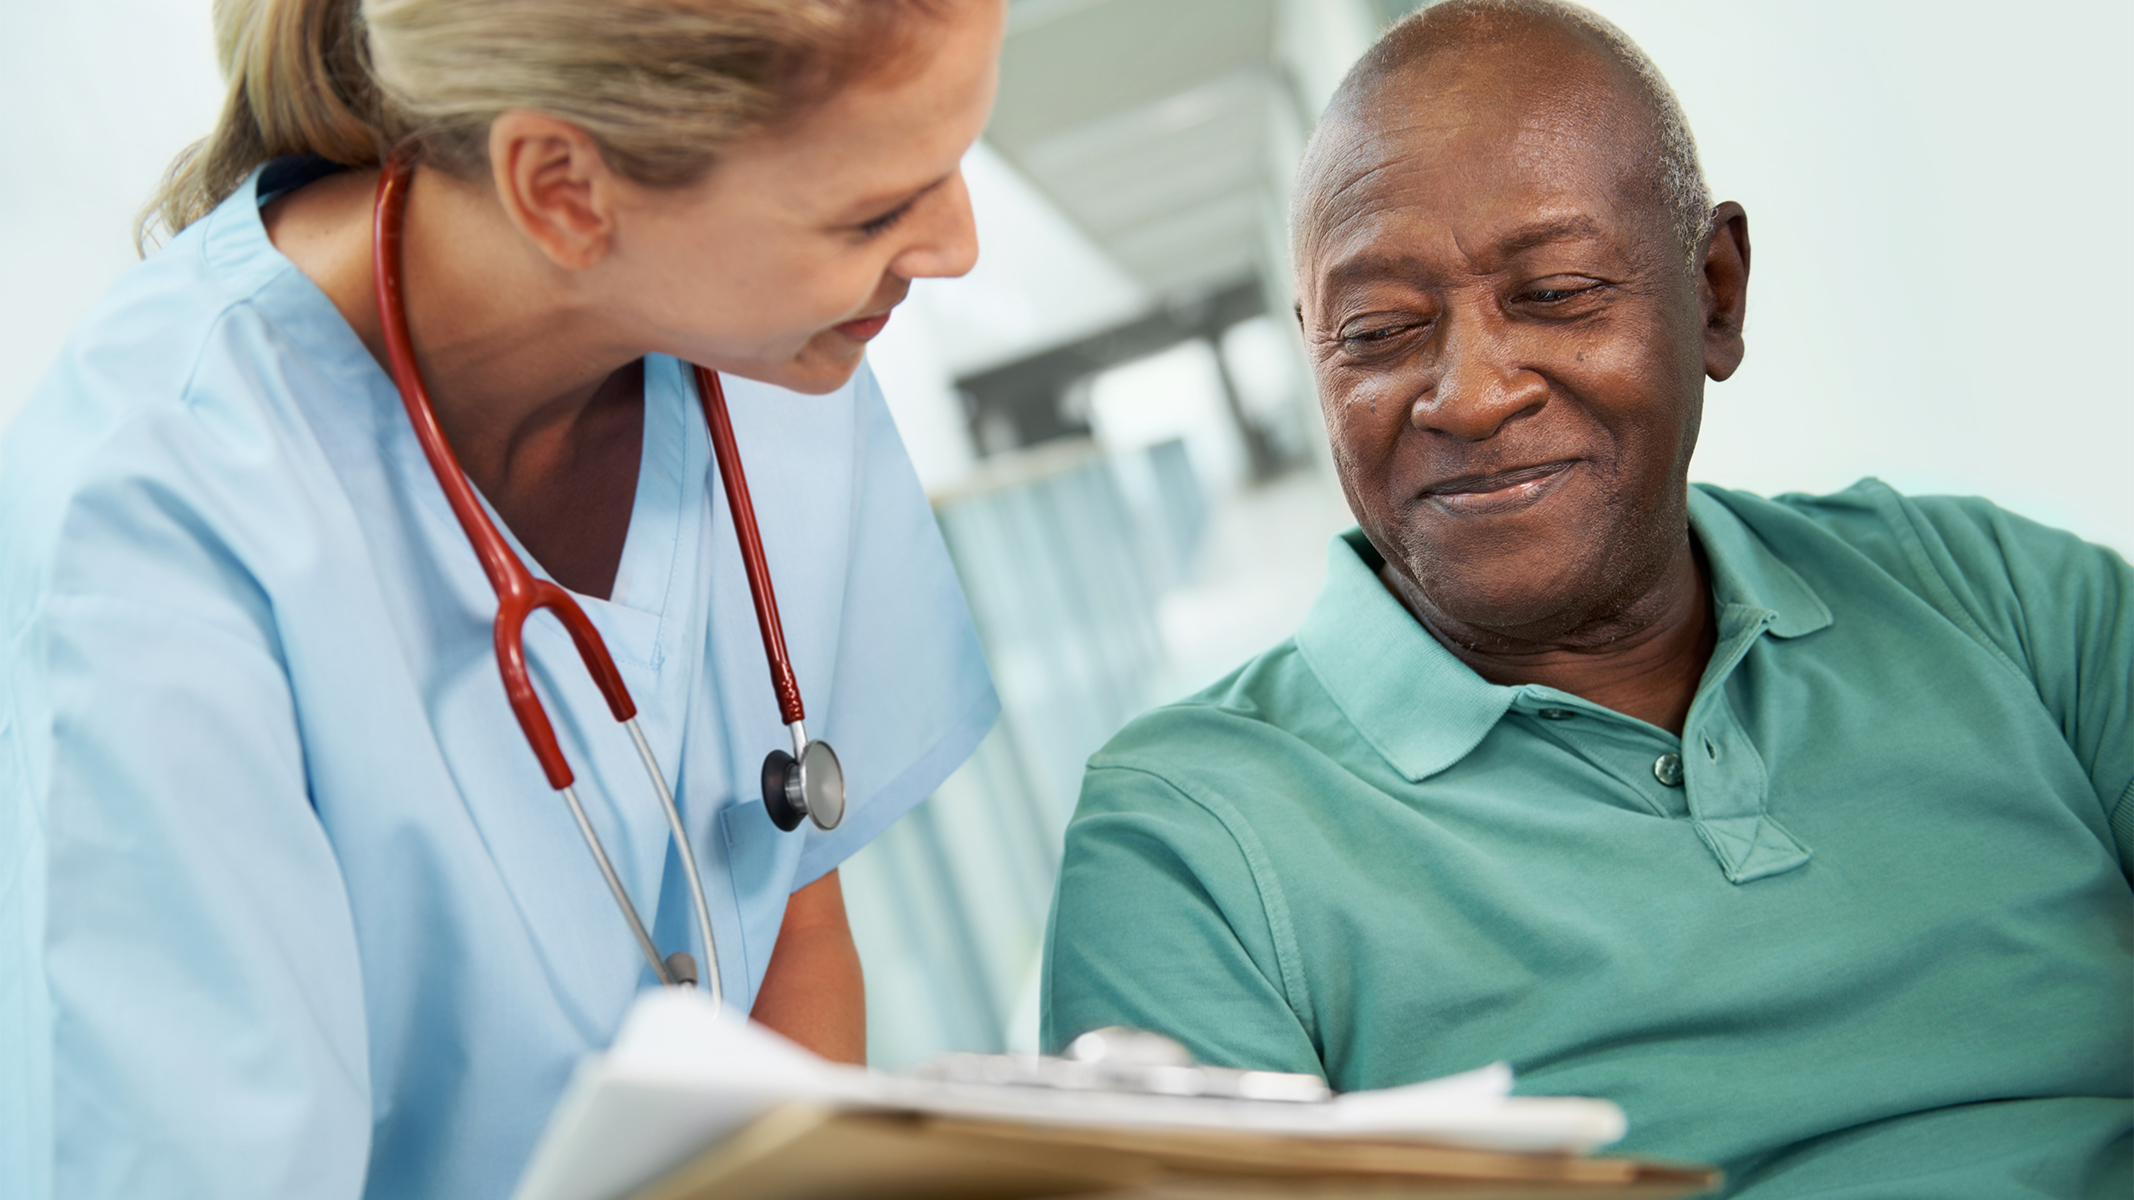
1723	289
554	185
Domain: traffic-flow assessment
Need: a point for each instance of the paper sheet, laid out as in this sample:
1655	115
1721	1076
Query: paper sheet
682	1077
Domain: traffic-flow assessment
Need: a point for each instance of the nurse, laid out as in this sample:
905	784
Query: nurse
287	905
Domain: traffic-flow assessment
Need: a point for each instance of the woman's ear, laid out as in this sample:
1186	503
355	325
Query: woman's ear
555	186
1723	289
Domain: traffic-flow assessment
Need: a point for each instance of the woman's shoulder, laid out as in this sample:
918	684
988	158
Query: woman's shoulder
176	392
139	350
218	291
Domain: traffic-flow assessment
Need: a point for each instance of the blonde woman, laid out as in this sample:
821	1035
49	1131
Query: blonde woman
287	906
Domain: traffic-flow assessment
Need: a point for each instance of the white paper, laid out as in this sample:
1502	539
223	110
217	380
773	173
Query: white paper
683	1077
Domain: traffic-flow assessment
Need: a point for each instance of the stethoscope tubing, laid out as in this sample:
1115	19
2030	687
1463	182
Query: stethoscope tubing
519	594
723	448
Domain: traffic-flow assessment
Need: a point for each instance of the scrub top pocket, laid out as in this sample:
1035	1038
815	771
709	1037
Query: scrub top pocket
760	860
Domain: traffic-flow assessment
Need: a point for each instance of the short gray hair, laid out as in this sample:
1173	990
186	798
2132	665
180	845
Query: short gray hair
1680	175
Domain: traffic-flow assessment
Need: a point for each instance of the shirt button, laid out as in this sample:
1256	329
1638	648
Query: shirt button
1668	769
1555	714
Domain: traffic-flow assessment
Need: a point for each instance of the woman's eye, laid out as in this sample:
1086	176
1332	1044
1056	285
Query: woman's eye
881	224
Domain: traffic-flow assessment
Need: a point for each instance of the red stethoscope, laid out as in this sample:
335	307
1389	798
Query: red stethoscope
806	783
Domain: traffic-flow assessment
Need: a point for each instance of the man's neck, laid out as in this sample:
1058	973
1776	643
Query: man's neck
1644	659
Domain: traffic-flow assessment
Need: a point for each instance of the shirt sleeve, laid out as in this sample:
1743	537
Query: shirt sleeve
1161	922
913	695
2063	609
2060	611
189	999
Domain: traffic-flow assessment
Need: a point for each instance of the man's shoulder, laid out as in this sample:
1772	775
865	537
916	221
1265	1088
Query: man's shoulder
1266	710
1996	576
1947	549
1863	515
1221	746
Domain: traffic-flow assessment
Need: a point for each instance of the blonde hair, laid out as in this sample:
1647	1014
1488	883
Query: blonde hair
661	86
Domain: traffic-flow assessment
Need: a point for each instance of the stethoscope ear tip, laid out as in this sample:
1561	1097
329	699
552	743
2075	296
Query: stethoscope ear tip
683	967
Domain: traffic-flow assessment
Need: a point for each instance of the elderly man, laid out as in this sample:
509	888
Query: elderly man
1800	828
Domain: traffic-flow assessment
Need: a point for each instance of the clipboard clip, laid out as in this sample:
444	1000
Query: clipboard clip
1133	1061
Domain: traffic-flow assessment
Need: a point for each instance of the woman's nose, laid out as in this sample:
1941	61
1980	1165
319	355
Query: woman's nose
1481	383
946	245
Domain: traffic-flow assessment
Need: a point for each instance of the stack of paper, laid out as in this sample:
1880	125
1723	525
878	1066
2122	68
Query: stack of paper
683	1079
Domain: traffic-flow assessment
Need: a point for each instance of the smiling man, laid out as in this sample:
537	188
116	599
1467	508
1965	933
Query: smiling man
1798	827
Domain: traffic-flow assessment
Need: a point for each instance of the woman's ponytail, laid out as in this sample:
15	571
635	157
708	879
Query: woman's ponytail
300	83
662	86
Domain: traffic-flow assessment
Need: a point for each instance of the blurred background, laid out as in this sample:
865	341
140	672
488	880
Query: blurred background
1112	412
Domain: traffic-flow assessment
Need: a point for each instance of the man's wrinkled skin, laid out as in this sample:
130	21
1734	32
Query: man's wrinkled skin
1511	349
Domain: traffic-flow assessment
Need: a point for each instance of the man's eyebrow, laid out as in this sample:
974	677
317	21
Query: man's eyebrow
1372	264
1377	263
1569	228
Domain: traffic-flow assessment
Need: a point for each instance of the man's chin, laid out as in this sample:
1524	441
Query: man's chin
1527	594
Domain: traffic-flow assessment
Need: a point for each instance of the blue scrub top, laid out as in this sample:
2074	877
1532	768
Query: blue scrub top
287	907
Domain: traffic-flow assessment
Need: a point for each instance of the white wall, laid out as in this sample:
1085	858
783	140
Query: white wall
96	97
1938	197
1040	281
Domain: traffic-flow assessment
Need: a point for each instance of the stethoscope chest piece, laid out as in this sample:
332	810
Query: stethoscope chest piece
808	782
811	786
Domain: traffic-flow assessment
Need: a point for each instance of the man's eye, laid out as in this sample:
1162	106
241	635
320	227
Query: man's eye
1363	339
1559	292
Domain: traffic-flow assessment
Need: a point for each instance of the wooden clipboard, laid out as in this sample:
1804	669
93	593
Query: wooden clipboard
808	1152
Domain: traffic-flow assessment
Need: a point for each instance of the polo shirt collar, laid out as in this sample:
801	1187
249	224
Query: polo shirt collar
1417	705
1424	710
1746	573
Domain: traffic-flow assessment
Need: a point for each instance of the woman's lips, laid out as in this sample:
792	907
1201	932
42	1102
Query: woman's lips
1499	491
865	328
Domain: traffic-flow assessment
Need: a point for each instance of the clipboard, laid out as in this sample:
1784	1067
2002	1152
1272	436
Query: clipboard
694	1103
812	1152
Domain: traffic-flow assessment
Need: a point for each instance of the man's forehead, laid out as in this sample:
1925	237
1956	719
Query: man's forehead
1510	171
1539	66
1448	148
1372	247
1549	108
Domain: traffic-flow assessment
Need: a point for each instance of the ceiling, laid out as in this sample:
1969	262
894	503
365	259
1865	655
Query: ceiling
1167	129
1163	128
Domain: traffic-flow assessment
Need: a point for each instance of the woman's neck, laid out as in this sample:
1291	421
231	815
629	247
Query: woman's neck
541	402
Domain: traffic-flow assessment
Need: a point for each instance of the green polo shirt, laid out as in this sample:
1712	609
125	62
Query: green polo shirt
1864	929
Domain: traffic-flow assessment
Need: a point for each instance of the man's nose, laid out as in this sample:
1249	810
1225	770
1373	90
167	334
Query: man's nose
1481	383
947	244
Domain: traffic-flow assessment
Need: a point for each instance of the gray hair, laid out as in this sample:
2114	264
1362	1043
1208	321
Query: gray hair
1680	176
